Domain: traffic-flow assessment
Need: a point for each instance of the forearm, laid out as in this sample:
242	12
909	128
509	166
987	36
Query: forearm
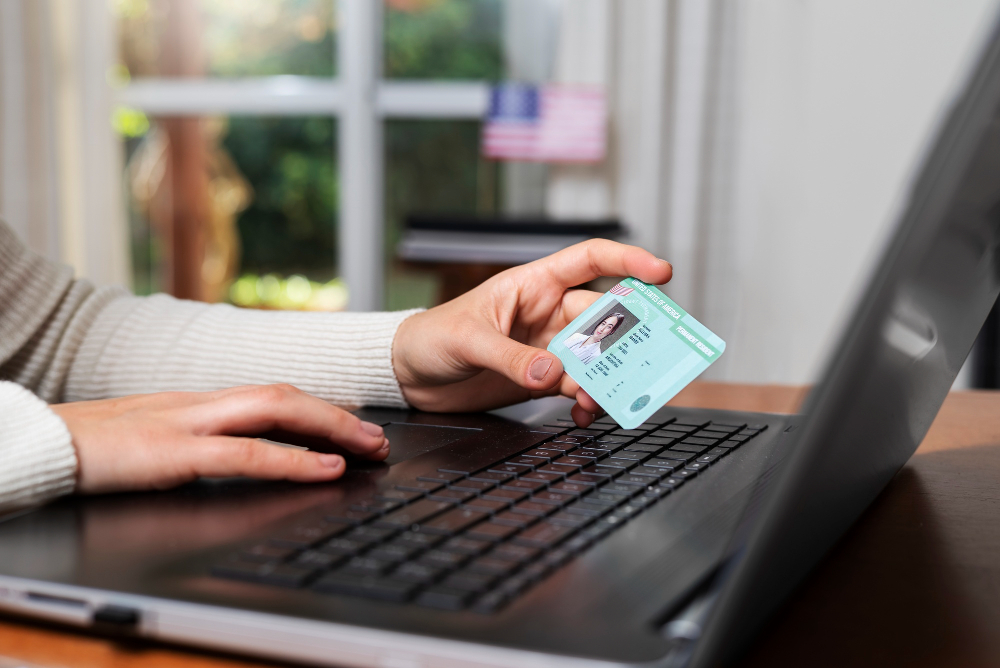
154	344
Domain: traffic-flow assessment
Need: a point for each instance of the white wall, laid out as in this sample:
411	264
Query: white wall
833	103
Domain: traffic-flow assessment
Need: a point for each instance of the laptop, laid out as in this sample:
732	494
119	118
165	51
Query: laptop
514	538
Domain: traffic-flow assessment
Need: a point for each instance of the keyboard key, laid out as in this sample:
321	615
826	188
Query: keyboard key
509	495
344	546
656	440
590	453
707	458
696	466
699	442
321	560
690	425
559	469
491	531
530	462
637	481
542	454
493	566
574	488
683	473
544	535
680	455
466	581
587	479
281	575
641	447
533	508
731	426
417	573
617	465
608	472
631	433
491	602
562	422
631	455
452	522
549	429
394	552
518	553
574	462
552	498
419	541
610	438
444	598
668	434
729	444
509	518
366	566
577	440
384	589
604	499
477	486
740	438
471	546
513	469
684	446
542	476
522	485
451	495
441	476
413	514
650	472
419	486
442	559
619	488
554	447
491	476
486	505
658	463
464	470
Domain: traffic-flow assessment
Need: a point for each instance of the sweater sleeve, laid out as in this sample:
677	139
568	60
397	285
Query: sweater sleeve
37	458
158	344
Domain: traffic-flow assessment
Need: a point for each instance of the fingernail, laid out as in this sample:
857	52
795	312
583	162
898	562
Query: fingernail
539	368
331	461
385	446
371	428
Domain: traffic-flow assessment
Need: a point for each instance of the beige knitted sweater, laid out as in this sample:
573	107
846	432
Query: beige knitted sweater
63	340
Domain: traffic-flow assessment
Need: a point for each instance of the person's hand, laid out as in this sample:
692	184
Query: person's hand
156	441
486	348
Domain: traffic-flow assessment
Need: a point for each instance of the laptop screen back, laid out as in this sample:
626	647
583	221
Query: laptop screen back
888	375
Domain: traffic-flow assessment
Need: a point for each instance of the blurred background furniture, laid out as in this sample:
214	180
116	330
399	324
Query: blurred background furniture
464	252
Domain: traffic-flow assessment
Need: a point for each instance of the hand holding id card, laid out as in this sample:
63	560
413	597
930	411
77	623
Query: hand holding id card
634	349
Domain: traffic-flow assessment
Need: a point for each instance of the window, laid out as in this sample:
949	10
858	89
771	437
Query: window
306	131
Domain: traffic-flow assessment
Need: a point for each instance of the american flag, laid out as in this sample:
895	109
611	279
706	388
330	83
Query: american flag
545	124
621	290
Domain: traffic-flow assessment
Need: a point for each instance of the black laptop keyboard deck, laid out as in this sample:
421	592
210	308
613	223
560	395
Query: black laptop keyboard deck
477	539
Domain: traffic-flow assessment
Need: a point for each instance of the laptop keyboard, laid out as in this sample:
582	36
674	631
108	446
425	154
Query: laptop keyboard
459	539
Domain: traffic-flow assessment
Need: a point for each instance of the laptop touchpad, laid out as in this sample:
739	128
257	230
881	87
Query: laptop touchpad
410	440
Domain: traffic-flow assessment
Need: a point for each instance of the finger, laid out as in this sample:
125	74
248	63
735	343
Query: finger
528	367
226	456
587	402
285	408
581	417
602	257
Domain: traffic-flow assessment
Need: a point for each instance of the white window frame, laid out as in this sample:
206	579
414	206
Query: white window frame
361	101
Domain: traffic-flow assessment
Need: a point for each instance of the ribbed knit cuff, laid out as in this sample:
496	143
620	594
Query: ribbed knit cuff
37	458
157	344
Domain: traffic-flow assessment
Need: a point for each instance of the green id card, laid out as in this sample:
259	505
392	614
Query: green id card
634	349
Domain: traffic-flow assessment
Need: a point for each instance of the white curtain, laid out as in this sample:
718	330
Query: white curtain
60	162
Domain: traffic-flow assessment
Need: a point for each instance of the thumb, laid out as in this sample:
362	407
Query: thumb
529	367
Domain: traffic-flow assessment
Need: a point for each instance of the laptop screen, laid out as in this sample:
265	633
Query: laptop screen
888	375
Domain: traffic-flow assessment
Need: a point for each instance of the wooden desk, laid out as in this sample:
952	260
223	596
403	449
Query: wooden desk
916	582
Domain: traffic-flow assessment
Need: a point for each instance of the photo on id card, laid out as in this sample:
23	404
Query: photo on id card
634	349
